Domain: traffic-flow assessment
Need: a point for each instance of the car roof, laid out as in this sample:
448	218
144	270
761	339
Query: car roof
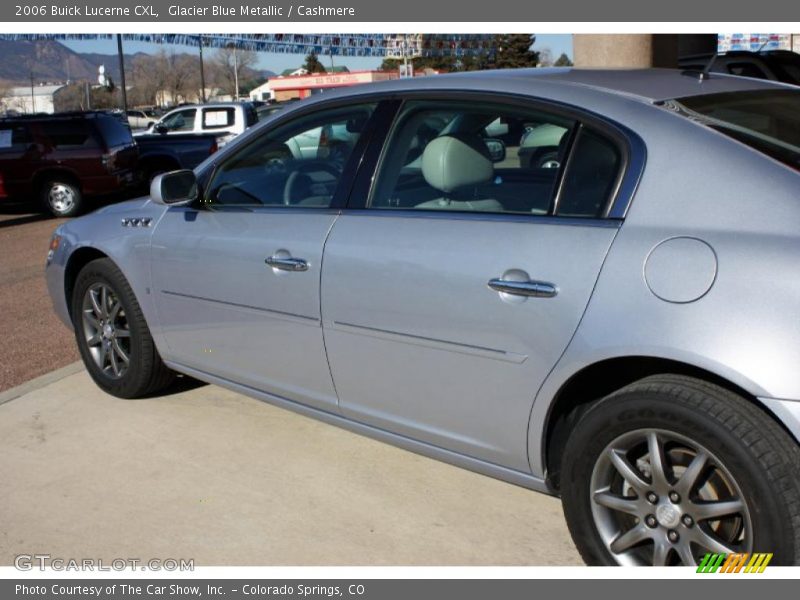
647	85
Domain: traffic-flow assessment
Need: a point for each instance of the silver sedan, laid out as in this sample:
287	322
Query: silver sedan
586	283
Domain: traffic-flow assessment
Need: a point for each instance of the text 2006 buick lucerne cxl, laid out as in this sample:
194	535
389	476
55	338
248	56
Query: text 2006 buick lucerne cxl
586	283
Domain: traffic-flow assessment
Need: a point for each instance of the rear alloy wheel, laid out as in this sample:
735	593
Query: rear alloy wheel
671	468
112	334
62	198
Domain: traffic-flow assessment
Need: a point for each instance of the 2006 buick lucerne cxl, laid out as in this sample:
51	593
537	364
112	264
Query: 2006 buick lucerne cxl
586	283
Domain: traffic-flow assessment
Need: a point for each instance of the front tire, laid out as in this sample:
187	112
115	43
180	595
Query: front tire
112	335
671	468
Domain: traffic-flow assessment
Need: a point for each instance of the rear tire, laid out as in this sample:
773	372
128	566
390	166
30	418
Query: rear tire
749	481
112	335
61	197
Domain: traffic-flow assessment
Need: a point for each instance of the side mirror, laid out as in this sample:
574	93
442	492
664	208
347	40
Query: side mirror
160	128
496	148
176	188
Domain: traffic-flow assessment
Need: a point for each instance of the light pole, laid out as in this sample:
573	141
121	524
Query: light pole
235	72
122	77
33	96
202	72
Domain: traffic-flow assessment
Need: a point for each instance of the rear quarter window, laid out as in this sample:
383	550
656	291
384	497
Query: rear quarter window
72	133
114	132
14	137
216	118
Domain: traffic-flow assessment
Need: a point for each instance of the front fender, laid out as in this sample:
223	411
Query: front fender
103	232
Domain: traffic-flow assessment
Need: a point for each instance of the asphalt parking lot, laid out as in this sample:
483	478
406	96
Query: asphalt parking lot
34	341
213	476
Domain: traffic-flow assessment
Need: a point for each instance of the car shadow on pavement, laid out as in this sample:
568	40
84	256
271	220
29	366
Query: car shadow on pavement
182	383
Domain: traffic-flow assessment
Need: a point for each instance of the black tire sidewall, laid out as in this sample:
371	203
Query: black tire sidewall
102	271
626	412
77	205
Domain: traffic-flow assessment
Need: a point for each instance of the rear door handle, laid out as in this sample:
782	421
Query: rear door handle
287	263
535	289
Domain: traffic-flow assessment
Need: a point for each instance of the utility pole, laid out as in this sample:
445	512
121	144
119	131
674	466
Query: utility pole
202	72
235	72
122	76
33	96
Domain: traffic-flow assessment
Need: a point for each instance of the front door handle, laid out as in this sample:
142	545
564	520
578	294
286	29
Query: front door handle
287	263
535	289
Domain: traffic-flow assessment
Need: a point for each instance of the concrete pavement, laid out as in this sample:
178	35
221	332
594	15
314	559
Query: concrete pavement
208	474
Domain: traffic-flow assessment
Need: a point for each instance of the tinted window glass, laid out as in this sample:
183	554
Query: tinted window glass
14	136
296	164
114	132
458	156
767	120
68	133
214	118
747	69
182	120
590	177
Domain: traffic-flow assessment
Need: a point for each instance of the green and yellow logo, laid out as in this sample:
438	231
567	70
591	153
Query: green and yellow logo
738	562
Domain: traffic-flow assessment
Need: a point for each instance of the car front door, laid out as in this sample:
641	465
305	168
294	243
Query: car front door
236	277
449	297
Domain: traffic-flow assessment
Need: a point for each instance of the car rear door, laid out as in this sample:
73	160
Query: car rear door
453	284
236	277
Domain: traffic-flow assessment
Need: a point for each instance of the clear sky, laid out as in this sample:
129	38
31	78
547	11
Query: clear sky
557	43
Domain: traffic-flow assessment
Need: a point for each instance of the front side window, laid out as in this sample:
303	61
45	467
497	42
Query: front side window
181	120
469	157
299	164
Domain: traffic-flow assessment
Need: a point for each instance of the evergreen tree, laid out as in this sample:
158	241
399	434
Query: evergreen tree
312	64
563	61
513	51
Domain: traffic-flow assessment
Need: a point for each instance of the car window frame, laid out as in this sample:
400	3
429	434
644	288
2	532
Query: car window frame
352	198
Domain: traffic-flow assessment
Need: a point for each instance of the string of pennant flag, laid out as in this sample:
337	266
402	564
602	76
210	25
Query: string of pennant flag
345	44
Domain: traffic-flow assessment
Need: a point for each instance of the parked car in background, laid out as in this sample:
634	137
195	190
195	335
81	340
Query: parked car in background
140	119
226	119
164	153
62	159
775	65
620	328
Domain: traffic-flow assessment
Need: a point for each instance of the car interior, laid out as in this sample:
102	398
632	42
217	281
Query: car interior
456	159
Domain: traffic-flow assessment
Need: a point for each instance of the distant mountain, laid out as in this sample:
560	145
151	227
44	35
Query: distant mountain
51	61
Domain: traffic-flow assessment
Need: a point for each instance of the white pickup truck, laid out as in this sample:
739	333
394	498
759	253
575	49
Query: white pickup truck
226	119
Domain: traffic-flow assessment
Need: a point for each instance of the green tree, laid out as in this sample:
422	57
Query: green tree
312	64
563	61
513	51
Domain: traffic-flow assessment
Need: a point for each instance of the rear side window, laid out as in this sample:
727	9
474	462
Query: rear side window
114	132
215	118
72	133
473	157
14	136
591	177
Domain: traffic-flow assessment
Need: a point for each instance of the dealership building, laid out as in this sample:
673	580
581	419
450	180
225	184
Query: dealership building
302	86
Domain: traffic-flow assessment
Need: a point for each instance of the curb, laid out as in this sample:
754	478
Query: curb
40	382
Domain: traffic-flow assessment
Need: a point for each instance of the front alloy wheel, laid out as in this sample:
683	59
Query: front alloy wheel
105	328
112	334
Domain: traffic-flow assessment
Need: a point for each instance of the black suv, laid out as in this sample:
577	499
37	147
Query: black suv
61	159
775	65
